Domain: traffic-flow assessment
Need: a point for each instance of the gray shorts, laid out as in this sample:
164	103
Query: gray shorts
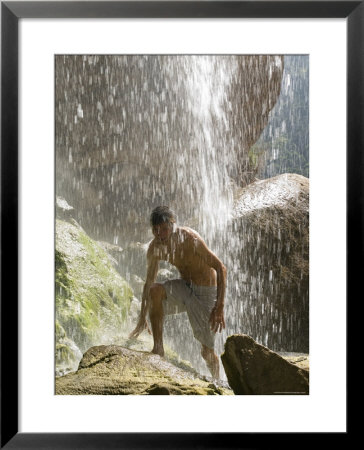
197	301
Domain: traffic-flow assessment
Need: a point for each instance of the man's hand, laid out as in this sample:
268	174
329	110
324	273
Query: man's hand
141	326
217	321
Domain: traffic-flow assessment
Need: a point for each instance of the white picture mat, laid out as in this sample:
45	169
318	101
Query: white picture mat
325	408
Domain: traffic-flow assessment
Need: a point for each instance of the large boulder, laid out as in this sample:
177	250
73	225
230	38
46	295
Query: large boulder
265	248
253	369
136	131
115	370
269	248
92	299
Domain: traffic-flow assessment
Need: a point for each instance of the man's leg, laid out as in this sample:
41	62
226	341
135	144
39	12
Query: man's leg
157	295
212	361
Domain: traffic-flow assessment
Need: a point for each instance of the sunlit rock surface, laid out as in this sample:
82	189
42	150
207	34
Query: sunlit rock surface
115	370
253	369
92	299
270	277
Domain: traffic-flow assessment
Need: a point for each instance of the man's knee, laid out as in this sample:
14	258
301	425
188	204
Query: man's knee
157	292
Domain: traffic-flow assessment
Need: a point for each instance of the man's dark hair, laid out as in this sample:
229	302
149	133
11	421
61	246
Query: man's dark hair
162	214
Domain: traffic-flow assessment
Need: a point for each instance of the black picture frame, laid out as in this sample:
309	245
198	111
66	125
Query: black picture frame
11	12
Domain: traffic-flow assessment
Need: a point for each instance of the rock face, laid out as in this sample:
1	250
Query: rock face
270	236
253	369
133	132
92	299
64	211
115	370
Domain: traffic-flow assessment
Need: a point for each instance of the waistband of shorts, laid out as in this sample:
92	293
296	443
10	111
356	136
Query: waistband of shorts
199	289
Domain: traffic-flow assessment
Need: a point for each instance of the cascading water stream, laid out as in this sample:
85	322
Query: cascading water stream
206	87
135	132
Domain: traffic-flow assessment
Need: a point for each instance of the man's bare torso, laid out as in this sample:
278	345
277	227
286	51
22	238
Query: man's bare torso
180	251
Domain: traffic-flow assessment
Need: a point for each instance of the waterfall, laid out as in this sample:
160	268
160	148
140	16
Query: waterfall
137	131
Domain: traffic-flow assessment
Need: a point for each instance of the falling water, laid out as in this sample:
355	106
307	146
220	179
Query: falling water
135	132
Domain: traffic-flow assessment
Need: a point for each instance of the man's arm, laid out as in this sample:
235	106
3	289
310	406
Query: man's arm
217	320
152	271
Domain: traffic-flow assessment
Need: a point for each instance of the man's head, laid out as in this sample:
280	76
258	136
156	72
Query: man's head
162	221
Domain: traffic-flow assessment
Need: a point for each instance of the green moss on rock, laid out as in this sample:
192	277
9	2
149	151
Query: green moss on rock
60	333
115	370
64	355
92	299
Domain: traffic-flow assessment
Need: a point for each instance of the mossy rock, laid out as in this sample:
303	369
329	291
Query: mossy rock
115	370
92	299
65	356
60	333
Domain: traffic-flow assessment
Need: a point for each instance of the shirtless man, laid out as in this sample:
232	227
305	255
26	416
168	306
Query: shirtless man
200	291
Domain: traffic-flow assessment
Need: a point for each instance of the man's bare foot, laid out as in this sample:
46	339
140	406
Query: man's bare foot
158	350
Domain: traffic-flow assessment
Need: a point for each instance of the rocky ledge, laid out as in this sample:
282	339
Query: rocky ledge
115	370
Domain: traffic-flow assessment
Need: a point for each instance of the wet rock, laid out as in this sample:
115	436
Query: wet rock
113	251
134	311
64	211
115	370
158	390
133	260
92	299
253	369
134	111
301	361
271	220
137	284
